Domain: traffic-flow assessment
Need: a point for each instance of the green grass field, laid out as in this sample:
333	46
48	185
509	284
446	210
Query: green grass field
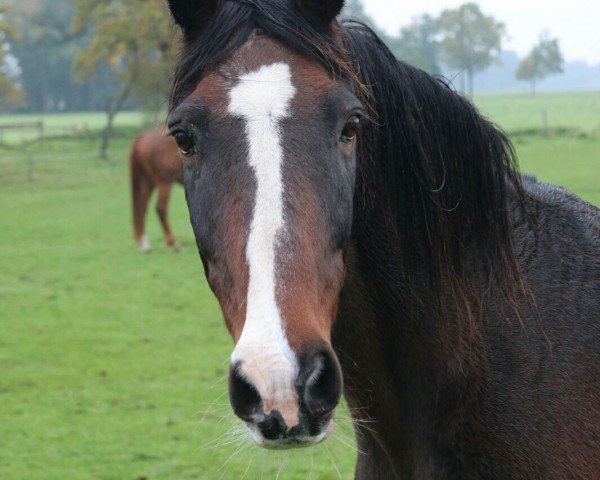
66	124
518	112
113	364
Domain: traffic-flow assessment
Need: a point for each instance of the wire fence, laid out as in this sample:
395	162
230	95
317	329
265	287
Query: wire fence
64	160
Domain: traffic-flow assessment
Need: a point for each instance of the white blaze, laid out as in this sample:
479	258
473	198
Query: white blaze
262	98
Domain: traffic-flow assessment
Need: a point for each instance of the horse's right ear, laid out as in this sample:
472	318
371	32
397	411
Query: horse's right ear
323	11
192	15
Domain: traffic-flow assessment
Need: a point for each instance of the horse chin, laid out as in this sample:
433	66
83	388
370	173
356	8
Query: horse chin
290	442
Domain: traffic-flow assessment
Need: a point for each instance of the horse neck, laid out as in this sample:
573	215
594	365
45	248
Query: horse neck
404	366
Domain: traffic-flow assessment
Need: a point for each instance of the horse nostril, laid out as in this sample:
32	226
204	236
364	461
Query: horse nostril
321	377
244	398
273	427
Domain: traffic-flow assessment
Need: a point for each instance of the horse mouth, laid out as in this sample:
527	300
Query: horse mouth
291	440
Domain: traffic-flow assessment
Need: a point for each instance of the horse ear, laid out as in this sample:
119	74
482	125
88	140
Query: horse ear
323	11
191	15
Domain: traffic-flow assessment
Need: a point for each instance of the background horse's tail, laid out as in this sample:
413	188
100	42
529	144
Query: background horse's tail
141	188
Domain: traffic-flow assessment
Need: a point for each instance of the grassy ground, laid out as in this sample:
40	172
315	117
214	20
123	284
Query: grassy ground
518	112
113	364
573	163
68	124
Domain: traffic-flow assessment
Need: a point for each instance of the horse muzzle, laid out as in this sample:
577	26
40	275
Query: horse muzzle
288	412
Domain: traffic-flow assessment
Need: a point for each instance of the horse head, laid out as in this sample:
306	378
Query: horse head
268	138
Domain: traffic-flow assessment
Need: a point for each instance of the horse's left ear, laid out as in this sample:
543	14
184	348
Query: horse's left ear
191	15
323	11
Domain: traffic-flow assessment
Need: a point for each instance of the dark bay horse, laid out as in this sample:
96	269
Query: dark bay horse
154	162
366	232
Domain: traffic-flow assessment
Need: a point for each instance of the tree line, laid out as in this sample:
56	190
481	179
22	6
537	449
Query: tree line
85	55
82	55
464	39
75	54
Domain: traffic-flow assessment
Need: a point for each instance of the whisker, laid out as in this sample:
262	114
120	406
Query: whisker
262	472
312	464
246	471
358	423
228	416
345	442
282	463
209	408
219	380
333	461
214	441
225	443
223	469
229	436
241	446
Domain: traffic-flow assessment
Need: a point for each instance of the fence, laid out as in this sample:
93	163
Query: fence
58	155
36	127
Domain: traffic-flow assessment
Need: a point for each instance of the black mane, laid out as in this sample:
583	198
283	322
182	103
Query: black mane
232	25
448	176
428	159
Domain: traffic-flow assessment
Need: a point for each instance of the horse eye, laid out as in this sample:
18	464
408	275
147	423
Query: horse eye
185	143
350	129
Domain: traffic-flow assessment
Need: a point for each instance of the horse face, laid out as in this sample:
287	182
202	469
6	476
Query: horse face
268	141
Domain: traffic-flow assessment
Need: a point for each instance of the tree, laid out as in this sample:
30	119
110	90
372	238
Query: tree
470	40
10	92
44	51
354	9
133	38
544	59
417	44
43	60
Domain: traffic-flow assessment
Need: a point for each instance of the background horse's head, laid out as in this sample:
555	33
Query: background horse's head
268	140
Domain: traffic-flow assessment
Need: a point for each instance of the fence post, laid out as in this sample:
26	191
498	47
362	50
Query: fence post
546	131
30	167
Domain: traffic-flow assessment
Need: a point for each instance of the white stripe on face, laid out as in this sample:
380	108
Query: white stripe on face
262	98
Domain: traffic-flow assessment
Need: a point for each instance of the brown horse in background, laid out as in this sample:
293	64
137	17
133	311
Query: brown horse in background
154	162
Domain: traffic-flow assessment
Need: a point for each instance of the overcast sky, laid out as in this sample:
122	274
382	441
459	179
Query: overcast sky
575	22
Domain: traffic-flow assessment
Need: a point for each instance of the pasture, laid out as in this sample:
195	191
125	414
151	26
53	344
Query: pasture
113	364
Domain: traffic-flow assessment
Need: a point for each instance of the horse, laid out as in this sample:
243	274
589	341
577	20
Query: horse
154	163
366	232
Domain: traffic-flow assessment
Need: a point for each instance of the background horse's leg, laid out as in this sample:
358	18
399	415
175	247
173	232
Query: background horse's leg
141	190
164	189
